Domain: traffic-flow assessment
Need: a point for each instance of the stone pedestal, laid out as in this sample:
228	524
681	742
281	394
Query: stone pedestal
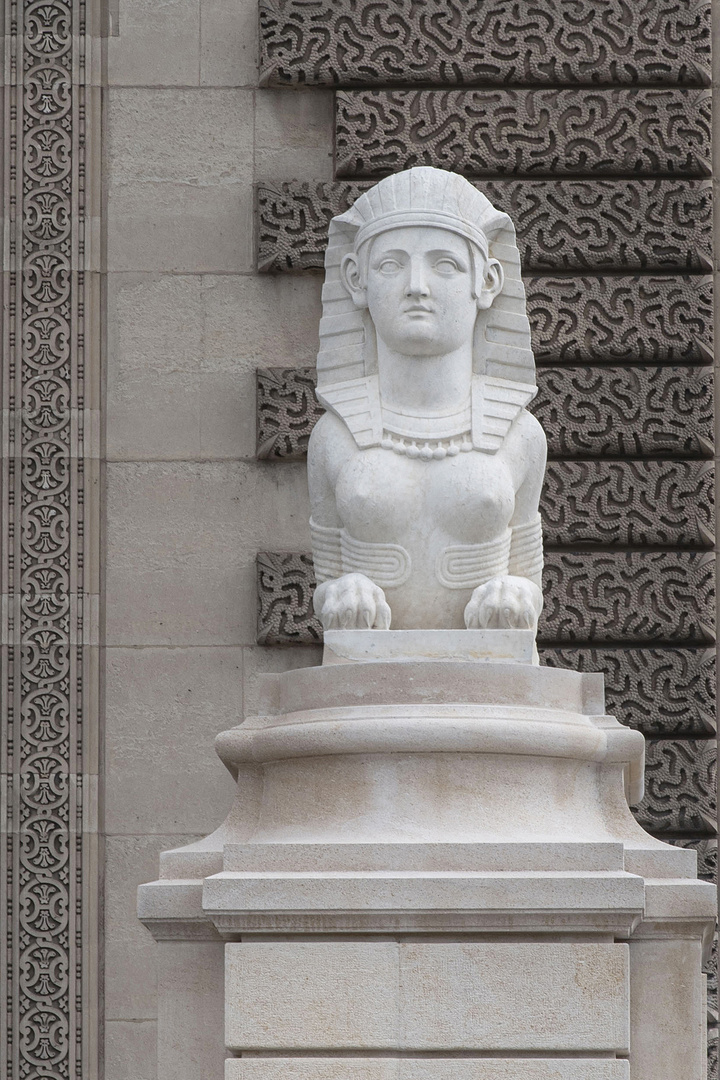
432	874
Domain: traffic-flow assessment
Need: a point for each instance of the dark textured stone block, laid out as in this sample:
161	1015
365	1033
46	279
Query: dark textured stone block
561	224
680	787
441	42
661	692
621	319
626	411
287	411
629	503
630	597
656	132
599	597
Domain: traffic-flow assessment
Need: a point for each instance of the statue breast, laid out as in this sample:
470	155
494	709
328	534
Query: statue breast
384	497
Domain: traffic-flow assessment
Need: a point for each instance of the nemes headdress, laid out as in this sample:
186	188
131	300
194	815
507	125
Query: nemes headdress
503	363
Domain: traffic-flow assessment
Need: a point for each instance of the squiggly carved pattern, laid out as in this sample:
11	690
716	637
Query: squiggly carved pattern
351	42
287	411
585	411
626	411
629	503
657	691
680	794
634	597
560	224
629	596
524	132
621	319
286	583
46	693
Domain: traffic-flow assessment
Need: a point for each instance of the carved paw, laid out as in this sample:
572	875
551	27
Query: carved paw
351	602
512	603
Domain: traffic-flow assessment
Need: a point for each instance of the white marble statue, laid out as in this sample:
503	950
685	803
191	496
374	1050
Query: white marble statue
425	471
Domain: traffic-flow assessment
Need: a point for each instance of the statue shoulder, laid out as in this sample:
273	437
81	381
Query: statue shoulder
525	447
331	443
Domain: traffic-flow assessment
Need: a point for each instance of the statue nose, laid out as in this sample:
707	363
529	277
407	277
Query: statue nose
417	283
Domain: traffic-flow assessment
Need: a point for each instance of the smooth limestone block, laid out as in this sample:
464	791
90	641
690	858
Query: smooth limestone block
383	995
358	1068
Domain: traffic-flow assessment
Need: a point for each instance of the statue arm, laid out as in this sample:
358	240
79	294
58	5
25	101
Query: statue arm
325	524
530	452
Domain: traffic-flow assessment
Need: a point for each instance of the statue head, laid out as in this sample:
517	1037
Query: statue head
425	263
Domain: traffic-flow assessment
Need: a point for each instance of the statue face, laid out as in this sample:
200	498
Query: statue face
419	290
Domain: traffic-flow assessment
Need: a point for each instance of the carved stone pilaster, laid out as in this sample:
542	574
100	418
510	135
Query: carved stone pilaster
49	876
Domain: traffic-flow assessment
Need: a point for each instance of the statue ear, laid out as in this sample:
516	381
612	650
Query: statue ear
493	281
352	280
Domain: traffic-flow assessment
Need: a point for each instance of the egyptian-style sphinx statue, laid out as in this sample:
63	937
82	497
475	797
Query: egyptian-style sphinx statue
425	471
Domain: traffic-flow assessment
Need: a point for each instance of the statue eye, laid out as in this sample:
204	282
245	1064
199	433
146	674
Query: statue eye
389	266
447	266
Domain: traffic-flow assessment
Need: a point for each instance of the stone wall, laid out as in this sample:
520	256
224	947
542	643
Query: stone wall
176	200
188	504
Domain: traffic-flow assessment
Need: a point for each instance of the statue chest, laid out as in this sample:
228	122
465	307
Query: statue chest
384	497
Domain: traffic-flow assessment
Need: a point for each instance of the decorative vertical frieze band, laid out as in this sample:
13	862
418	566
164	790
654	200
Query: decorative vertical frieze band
49	542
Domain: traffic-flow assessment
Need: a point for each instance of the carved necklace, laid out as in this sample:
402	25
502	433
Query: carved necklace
426	449
427	437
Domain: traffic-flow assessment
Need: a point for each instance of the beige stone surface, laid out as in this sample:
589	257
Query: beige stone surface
190	136
130	1050
667	1016
181	549
180	228
228	43
383	995
190	1019
294	135
435	1068
165	707
182	354
154	43
130	952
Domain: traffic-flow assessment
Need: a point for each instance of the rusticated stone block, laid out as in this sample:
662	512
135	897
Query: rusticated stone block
628	596
286	583
632	597
621	319
680	793
442	42
626	411
560	224
660	692
629	503
287	411
615	132
586	411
